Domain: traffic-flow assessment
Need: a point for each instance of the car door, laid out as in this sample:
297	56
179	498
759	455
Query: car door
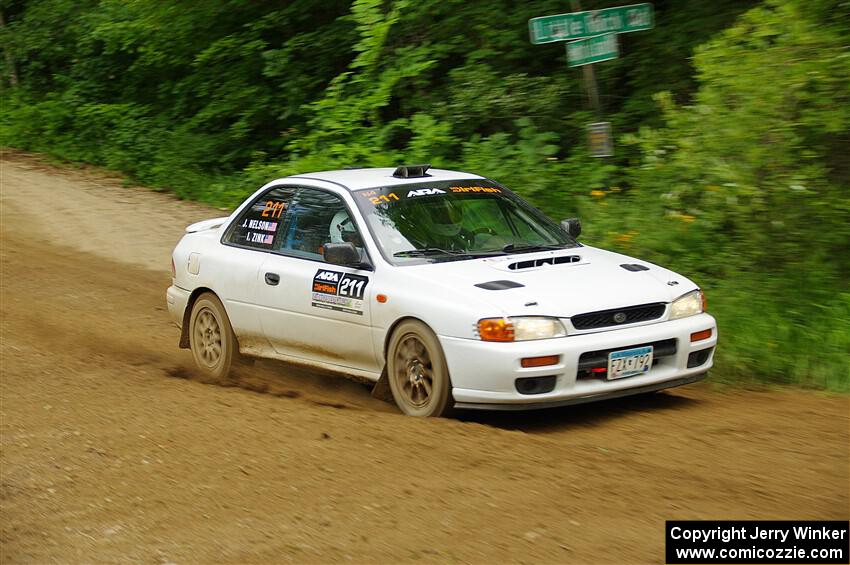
309	308
246	244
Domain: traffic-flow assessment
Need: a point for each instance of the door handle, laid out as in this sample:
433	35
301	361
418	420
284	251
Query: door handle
272	279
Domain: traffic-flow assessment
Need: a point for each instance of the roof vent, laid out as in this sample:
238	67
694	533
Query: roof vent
411	171
544	261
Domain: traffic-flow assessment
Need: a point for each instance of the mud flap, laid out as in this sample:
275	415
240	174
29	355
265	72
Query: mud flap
381	390
184	340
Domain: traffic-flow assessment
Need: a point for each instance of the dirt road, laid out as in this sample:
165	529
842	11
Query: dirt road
112	451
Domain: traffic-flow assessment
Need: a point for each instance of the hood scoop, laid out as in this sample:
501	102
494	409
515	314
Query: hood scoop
634	267
499	285
532	263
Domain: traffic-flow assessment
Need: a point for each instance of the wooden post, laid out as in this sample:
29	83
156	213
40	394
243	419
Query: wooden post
589	75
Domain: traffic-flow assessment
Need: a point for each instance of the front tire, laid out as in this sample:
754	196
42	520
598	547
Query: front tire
211	337
417	371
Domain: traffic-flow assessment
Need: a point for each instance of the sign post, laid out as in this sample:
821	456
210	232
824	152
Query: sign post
593	37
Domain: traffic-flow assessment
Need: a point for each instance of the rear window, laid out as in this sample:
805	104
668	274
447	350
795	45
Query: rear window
257	226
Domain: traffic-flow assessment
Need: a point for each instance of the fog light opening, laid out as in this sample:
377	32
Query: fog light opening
535	385
543	361
698	358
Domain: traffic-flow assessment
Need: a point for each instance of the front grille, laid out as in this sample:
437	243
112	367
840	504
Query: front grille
599	359
619	316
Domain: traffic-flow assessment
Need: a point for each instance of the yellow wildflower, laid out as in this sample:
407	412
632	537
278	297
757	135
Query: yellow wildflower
626	237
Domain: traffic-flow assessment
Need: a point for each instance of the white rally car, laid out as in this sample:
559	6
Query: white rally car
444	285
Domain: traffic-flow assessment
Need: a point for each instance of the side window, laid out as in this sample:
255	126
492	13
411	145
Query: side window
259	223
315	218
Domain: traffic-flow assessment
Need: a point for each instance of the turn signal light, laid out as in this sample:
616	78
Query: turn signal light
540	361
699	336
495	329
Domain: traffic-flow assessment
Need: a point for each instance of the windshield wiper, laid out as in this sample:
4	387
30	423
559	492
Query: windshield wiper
436	251
512	247
427	252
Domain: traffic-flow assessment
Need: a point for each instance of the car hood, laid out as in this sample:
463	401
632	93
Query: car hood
560	283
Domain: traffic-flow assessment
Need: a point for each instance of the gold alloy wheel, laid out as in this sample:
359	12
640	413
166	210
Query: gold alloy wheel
417	371
413	371
208	337
211	337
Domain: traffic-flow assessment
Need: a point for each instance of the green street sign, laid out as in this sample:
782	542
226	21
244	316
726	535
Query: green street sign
578	25
592	50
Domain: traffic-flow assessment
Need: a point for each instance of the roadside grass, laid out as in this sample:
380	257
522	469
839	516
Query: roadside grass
778	338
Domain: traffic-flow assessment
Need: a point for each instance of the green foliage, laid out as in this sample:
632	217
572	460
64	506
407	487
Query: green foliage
731	166
751	157
748	192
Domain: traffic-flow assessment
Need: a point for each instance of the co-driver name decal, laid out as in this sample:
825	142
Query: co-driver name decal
343	292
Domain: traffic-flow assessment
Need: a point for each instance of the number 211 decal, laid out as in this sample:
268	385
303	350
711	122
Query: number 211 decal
273	209
343	292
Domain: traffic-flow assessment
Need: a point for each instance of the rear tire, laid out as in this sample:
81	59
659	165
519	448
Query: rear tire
211	337
417	371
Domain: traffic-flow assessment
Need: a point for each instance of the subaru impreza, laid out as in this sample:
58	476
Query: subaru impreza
444	287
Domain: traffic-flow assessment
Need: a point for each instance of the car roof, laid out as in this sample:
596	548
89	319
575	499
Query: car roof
359	179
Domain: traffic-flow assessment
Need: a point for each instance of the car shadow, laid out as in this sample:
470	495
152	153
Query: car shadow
579	415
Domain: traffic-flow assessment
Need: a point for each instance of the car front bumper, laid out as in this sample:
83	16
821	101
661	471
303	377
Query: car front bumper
484	374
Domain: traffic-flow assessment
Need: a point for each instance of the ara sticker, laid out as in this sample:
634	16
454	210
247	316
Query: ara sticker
425	192
343	292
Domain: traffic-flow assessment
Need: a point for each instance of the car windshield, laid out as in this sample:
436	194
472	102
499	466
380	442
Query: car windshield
455	220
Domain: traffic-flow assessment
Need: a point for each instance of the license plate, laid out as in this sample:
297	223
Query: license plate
629	362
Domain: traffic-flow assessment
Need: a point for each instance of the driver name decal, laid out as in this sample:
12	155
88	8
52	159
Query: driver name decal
259	225
261	238
343	292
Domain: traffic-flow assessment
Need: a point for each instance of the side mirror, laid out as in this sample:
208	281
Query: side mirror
572	226
344	254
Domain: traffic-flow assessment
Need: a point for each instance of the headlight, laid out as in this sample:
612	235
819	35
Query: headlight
688	305
520	328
